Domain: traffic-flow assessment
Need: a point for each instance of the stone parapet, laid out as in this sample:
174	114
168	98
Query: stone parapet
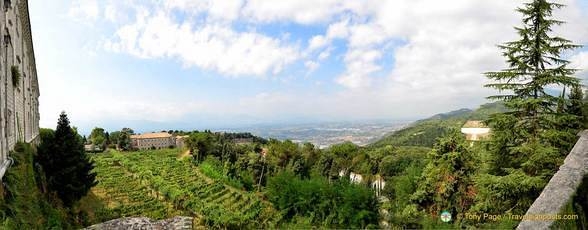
560	188
142	223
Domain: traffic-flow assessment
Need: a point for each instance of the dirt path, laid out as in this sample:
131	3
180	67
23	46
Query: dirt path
185	154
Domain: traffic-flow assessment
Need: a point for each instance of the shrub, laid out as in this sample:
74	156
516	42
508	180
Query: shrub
247	180
15	75
211	168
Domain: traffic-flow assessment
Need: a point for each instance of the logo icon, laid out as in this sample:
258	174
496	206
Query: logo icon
445	216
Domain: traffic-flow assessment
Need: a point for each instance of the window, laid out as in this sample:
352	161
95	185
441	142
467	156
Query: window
7	5
8	125
7	37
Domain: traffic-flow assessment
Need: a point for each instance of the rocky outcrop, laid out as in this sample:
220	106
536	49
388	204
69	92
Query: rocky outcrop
560	188
143	223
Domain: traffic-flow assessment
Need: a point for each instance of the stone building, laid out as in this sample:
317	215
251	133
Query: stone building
378	185
19	88
153	140
475	130
181	141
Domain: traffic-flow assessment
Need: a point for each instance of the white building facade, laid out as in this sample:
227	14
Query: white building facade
475	130
19	88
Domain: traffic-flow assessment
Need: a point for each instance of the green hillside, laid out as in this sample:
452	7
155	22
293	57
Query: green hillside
425	132
23	204
159	184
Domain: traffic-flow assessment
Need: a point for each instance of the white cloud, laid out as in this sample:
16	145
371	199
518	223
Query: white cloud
311	66
304	12
227	10
438	50
210	46
338	30
575	28
580	62
110	13
84	9
324	54
360	66
317	42
442	44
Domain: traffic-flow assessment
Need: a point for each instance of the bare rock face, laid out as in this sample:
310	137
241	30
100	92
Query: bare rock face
143	223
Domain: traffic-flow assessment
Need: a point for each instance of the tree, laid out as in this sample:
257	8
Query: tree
114	136
128	130
528	142
534	63
340	204
447	180
343	155
124	140
575	107
107	138
200	145
98	137
66	166
573	119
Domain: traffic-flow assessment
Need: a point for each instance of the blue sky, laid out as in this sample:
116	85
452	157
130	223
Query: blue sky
182	64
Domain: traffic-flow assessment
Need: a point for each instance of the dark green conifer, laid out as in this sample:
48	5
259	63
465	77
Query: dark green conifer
529	143
67	167
575	107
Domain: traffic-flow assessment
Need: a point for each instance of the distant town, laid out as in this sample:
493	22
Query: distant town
324	135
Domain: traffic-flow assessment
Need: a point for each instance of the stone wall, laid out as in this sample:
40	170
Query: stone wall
560	188
19	96
142	223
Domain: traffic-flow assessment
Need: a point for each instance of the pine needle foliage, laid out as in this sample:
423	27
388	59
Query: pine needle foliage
67	167
447	180
530	141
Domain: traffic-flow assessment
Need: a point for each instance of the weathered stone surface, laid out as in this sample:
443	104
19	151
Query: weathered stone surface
19	101
142	223
561	187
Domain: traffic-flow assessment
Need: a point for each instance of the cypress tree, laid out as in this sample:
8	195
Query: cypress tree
67	167
575	107
107	137
528	141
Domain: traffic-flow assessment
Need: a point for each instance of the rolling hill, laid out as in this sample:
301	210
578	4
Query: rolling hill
424	132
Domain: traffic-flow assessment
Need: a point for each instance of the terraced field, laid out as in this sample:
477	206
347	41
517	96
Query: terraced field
158	184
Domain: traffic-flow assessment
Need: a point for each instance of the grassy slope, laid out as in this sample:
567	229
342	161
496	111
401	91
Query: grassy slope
22	205
424	132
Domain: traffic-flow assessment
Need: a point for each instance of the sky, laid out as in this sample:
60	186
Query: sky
196	64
